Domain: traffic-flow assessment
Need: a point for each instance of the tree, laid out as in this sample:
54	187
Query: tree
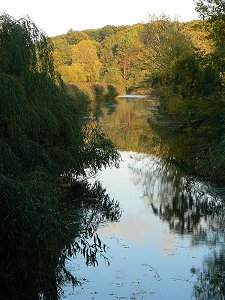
73	73
121	54
199	35
214	12
165	43
84	54
47	142
73	37
210	8
62	51
100	34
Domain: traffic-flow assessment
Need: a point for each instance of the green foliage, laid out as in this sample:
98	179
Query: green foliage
105	93
47	140
100	34
98	90
214	12
38	234
37	115
73	73
210	8
104	98
74	37
198	33
184	61
190	82
121	55
62	52
112	92
24	48
62	46
165	43
111	54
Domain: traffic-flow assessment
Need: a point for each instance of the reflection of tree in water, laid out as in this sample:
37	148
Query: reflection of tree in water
92	205
104	106
210	281
104	101
189	206
128	127
33	265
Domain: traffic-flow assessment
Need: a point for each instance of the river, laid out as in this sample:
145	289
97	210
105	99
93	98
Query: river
170	240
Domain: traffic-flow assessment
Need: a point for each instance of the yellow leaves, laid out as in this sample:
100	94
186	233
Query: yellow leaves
222	77
73	73
85	55
77	62
199	35
85	65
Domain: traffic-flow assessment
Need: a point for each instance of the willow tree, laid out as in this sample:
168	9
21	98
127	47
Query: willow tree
46	142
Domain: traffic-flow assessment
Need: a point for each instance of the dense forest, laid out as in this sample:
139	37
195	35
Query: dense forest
182	61
126	55
51	141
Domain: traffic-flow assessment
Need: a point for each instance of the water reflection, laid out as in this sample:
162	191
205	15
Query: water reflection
33	260
187	204
104	103
210	280
169	243
157	258
128	127
131	128
190	206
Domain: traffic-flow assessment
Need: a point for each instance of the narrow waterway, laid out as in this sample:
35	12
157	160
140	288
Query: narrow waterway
169	242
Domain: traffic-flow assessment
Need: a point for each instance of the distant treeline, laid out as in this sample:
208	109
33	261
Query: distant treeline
118	55
183	62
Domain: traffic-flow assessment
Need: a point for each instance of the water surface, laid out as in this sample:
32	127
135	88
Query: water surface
169	242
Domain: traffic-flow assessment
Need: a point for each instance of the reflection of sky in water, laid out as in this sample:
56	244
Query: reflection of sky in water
147	260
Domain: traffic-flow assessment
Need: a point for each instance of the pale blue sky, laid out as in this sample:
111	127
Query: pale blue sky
56	17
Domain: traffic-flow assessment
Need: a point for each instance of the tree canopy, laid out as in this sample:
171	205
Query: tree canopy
213	11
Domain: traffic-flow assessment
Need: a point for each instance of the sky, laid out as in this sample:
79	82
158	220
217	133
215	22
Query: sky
56	16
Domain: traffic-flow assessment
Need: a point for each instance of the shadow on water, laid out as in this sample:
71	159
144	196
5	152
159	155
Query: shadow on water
34	265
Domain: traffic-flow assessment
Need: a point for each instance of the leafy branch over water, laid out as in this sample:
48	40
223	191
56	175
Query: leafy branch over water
45	142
